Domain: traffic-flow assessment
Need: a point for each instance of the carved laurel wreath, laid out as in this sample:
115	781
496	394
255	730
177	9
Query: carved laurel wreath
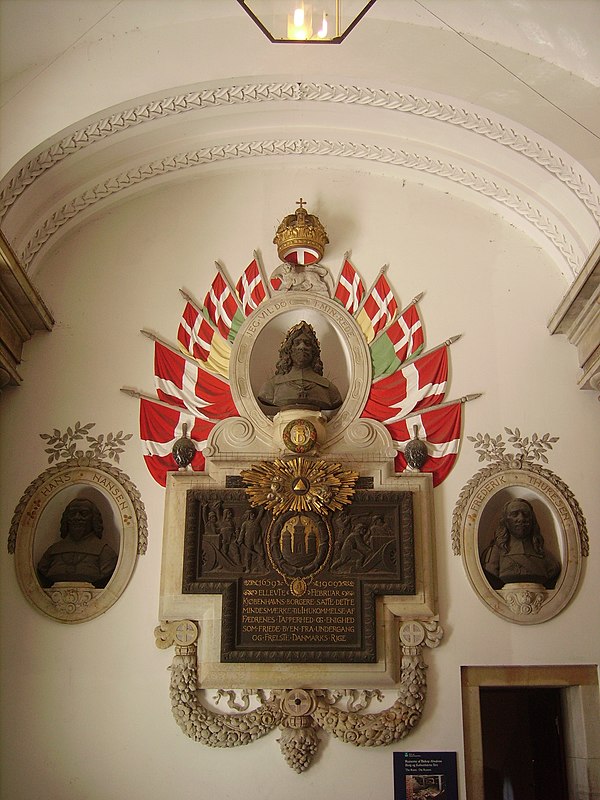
66	446
528	450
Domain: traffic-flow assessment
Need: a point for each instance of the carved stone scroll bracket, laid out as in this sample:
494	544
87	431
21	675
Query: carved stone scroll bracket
233	436
524	598
298	712
368	438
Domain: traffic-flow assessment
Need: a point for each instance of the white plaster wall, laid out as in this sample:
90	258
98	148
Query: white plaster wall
86	712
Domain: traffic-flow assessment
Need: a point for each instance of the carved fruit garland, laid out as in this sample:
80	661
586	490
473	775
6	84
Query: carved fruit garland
297	712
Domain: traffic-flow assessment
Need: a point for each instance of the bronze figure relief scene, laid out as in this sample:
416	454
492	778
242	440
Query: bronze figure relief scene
298	586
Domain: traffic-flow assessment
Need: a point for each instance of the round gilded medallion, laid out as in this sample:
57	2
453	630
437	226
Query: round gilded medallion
299	436
298	587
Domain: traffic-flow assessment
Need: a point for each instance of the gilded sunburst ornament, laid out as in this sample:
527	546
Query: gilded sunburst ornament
299	484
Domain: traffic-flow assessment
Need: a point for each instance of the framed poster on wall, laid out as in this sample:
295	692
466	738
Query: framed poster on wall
424	776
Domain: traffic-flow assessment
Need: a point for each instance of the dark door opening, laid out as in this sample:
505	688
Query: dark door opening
523	749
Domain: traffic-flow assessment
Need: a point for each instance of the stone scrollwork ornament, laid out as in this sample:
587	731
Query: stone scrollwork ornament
298	713
525	599
520	530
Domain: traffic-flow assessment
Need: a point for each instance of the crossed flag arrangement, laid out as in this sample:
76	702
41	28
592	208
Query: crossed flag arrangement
193	392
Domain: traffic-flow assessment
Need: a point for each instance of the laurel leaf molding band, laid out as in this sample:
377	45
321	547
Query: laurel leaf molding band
432	108
493	129
279	147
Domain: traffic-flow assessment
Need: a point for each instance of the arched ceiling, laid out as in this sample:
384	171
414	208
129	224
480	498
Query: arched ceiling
494	100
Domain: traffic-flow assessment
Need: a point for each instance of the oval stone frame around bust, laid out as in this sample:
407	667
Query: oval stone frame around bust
521	603
350	335
76	603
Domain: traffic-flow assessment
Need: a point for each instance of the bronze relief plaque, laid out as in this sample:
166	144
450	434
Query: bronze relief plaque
300	587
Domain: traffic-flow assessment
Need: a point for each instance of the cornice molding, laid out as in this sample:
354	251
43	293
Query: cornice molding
281	147
578	318
22	313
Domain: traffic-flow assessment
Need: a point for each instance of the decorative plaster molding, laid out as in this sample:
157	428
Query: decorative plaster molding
278	147
297	712
525	455
71	600
81	476
84	462
486	126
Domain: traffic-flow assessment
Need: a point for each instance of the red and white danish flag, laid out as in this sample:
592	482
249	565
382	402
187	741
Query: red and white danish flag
401	340
350	288
183	383
200	340
194	332
222	307
378	310
418	384
251	288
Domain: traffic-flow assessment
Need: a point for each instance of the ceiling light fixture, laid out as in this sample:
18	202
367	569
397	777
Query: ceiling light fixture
301	22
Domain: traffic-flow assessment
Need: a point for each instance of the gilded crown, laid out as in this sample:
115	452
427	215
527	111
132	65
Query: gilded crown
300	231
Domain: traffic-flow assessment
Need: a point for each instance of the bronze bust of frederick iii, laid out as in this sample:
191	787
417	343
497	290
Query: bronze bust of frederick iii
298	381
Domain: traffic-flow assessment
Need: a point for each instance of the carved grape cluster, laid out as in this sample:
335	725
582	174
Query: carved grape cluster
298	746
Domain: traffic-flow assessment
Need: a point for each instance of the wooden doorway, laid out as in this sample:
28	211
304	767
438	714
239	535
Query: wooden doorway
522	743
564	715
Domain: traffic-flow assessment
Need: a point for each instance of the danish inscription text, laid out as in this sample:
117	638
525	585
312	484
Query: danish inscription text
325	615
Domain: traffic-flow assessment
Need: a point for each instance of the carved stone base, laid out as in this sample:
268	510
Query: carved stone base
71	598
524	598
